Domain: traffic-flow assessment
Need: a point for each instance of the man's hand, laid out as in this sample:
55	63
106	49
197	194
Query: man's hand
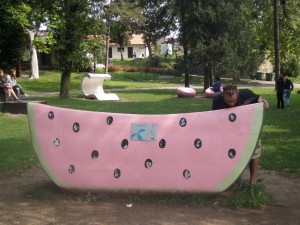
264	101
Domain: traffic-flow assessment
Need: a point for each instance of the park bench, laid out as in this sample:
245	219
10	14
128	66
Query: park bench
3	96
13	107
92	87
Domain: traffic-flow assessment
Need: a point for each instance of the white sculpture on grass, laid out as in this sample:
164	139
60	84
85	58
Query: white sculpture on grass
92	87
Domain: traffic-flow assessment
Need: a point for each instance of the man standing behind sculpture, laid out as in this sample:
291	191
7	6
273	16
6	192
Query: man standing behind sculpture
287	88
232	97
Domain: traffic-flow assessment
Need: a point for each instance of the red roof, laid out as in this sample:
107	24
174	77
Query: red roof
136	39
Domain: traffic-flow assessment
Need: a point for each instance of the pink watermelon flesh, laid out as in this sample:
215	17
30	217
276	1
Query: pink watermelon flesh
201	151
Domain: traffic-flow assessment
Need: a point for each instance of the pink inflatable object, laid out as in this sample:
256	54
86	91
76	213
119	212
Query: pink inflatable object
186	92
210	93
200	151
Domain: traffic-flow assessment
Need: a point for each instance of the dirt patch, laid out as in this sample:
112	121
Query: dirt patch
17	207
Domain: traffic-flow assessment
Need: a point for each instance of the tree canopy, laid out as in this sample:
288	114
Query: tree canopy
219	37
13	39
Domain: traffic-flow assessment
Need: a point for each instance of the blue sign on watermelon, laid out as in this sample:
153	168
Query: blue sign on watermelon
143	131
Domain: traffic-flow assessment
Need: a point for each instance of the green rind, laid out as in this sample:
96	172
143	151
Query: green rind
257	124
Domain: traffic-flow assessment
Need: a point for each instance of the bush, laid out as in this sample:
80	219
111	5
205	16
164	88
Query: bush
155	61
115	68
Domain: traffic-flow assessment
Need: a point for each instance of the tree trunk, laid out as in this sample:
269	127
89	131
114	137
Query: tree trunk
276	41
207	76
211	77
148	44
95	64
107	47
121	51
184	44
65	82
34	64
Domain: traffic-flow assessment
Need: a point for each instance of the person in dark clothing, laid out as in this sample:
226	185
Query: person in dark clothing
287	88
279	92
232	97
216	85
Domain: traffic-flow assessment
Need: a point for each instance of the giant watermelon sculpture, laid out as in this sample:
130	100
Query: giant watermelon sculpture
201	151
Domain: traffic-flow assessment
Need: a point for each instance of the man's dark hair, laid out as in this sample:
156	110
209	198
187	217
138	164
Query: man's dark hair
230	89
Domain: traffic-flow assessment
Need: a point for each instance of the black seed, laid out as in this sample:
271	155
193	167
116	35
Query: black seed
71	169
109	120
162	143
95	154
231	153
148	163
117	173
124	144
76	127
232	117
198	143
186	174
51	115
182	122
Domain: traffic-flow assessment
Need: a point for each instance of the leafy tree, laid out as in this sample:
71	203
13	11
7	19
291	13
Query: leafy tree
219	36
182	7
13	39
74	20
159	20
289	34
120	34
26	17
123	18
34	16
90	52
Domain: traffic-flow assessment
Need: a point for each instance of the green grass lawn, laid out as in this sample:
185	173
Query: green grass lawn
280	135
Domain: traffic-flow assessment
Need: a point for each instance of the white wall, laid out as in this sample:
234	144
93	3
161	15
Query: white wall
166	48
140	50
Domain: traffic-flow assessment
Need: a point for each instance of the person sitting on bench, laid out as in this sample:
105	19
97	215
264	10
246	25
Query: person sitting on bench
11	79
216	85
6	88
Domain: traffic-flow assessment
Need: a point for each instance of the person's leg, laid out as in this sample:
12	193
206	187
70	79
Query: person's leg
253	165
253	170
20	88
12	94
9	94
278	100
288	97
15	89
285	97
282	102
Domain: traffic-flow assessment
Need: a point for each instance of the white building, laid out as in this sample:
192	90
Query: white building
137	48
